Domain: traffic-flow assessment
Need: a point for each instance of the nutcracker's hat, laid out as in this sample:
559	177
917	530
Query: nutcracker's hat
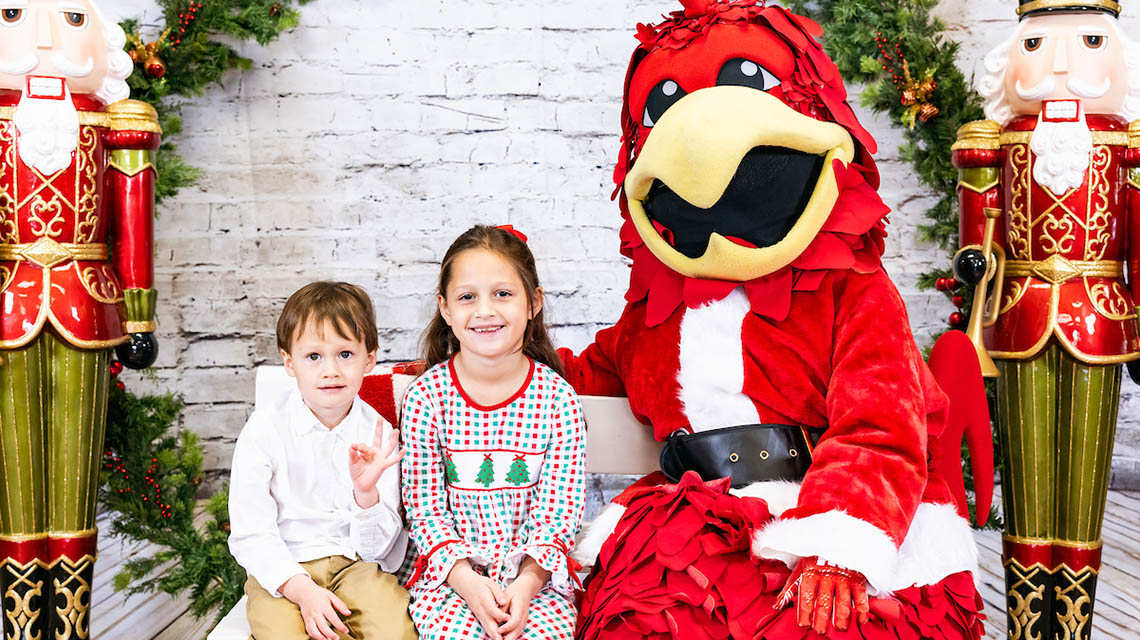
1037	7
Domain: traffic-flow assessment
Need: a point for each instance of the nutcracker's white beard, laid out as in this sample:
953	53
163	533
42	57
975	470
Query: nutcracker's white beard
49	132
1062	151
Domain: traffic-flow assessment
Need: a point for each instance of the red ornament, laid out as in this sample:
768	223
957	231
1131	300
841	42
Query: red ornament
116	368
958	301
155	67
940	284
120	386
957	319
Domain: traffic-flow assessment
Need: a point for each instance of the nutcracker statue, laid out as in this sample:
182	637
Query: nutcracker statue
76	241
1049	203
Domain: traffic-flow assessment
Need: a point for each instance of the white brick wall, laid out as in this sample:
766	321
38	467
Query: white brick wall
360	144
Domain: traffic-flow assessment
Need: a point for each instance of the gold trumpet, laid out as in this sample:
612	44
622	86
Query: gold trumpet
995	269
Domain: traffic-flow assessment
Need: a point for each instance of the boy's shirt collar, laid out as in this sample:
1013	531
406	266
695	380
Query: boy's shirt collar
302	419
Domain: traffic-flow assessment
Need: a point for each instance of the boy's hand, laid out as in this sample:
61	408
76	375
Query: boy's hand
366	463
318	607
483	596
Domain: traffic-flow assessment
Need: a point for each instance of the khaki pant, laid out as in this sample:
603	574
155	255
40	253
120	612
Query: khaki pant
378	603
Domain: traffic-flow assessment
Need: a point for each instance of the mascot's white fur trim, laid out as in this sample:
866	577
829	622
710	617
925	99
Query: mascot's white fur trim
938	544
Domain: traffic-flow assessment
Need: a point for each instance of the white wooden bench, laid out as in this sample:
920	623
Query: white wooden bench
615	443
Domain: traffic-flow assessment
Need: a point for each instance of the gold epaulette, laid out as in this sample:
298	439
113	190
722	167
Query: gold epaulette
1134	134
979	134
133	115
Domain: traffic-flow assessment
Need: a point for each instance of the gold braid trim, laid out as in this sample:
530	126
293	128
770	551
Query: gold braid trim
1056	269
86	118
1109	138
1038	5
47	253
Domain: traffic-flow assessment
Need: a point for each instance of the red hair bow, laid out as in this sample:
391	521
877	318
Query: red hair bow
513	231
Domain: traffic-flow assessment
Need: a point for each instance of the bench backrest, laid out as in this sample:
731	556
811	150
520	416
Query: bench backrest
616	442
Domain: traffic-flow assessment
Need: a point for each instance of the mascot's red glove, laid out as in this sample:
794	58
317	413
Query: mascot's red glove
825	595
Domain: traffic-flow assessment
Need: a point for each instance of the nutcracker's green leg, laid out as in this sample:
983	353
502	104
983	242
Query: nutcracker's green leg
1026	413
79	385
1086	427
23	499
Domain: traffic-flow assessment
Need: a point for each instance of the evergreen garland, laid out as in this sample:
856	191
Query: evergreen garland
150	480
151	476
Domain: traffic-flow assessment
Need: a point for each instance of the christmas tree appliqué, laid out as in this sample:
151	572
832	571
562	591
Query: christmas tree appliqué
486	471
518	473
449	469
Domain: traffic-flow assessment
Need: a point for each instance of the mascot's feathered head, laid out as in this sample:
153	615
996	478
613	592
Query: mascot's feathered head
741	161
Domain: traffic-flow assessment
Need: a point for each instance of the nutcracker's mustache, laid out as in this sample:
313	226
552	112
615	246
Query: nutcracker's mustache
21	66
1042	90
71	69
1086	89
1077	85
62	64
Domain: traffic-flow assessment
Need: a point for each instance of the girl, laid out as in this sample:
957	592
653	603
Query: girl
494	454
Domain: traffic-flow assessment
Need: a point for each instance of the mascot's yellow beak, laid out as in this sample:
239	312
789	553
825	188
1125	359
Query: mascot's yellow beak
695	150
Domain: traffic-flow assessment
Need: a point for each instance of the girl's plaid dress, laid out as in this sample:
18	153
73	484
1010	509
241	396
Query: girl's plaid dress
493	485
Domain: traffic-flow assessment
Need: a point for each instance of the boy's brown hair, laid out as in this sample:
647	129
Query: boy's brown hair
345	306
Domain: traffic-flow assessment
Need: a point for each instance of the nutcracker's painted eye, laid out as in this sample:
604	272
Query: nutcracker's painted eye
743	72
12	17
1031	45
1093	42
663	96
75	19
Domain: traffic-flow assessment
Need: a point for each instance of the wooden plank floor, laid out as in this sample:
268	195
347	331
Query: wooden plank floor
142	616
161	617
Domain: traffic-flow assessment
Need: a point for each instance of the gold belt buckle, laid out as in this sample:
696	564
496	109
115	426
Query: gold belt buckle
1056	269
46	252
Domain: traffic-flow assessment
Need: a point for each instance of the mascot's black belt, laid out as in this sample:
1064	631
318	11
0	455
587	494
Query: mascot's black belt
746	453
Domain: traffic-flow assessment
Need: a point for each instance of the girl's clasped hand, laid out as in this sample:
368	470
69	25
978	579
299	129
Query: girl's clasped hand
502	611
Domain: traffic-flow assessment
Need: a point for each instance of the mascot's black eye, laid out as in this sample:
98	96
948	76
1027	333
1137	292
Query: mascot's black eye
12	16
742	72
663	96
1093	42
1029	45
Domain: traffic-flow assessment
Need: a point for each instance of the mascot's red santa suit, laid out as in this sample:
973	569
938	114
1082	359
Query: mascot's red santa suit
757	297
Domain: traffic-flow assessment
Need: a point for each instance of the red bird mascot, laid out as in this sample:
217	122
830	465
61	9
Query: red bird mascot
804	494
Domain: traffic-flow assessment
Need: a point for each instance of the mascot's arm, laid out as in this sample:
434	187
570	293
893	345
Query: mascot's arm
594	372
869	469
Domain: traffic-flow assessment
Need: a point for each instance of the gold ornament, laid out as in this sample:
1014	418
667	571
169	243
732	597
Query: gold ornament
916	95
147	53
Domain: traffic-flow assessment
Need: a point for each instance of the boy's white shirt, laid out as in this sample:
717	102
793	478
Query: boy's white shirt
291	497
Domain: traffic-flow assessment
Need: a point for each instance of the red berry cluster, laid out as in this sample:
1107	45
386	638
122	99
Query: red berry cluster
117	368
957	319
184	20
889	64
114	464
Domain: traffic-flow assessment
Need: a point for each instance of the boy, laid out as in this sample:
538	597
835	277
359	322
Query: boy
313	506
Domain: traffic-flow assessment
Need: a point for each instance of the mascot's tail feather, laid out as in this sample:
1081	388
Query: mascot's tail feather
954	363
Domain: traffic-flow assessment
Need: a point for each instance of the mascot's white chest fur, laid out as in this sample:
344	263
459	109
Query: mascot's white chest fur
711	367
